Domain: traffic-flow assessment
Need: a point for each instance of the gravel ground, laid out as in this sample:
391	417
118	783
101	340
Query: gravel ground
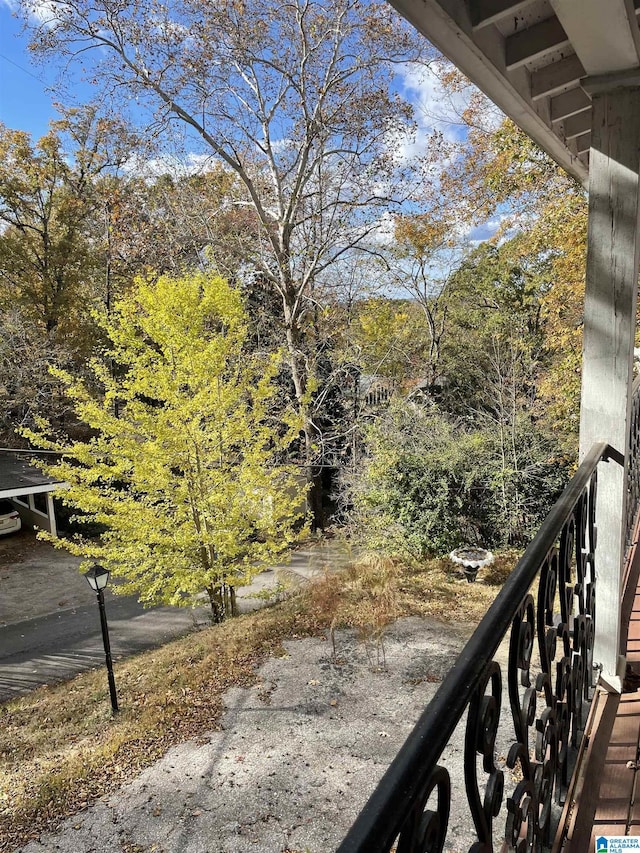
297	754
294	761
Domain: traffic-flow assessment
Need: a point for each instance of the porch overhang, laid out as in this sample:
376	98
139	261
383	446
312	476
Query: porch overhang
19	476
21	480
538	60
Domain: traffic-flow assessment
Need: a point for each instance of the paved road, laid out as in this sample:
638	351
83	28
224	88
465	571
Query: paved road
55	647
38	646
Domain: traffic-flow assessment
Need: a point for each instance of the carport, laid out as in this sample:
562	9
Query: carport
29	488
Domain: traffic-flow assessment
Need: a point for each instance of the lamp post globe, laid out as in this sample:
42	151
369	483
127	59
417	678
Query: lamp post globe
97	578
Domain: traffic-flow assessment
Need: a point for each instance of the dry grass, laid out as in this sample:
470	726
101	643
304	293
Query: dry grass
362	596
436	588
374	590
60	749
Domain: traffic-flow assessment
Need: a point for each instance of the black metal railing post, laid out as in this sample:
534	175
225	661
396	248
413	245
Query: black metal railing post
633	470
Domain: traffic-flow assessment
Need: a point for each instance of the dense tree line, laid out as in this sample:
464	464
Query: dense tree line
297	124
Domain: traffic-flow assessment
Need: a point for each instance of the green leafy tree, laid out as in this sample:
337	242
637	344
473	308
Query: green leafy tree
481	465
422	487
184	469
430	482
496	359
496	327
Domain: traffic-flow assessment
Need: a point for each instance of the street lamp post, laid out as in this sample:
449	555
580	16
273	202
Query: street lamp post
98	578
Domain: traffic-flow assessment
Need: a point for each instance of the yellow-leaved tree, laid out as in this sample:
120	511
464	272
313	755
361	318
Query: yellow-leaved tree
185	471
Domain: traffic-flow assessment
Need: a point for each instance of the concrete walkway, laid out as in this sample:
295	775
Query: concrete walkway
294	761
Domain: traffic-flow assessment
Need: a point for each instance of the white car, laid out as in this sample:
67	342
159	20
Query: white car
9	518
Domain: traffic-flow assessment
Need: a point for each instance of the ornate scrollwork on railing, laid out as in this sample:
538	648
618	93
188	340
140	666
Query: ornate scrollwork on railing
482	728
425	830
550	633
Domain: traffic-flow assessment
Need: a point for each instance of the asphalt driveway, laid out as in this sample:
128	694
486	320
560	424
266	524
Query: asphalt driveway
37	579
49	620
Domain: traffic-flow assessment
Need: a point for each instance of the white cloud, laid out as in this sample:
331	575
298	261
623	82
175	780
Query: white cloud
154	167
438	108
443	106
45	13
383	233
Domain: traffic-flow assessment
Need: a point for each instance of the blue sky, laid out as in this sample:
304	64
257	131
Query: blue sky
24	102
27	89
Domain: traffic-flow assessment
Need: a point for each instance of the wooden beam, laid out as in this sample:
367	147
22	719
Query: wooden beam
607	82
600	33
577	125
583	142
485	12
613	256
534	42
554	78
574	829
568	104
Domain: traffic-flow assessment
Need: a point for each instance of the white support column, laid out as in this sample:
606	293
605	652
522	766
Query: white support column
51	512
609	329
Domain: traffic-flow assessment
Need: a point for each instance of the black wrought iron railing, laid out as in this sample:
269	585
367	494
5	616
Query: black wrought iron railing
513	800
633	471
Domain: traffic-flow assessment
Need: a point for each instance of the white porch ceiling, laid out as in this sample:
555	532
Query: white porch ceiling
534	58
